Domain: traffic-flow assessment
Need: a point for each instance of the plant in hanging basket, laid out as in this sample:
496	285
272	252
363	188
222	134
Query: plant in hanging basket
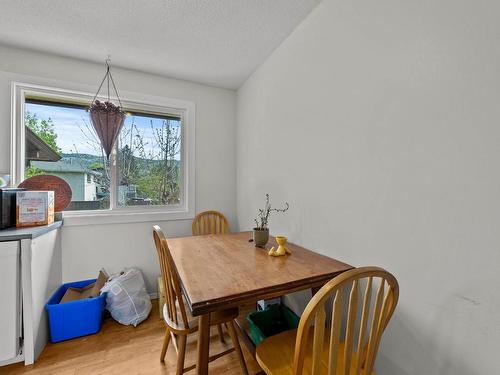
107	120
106	117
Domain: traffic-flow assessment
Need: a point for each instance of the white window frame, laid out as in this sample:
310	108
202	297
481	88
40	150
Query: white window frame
131	102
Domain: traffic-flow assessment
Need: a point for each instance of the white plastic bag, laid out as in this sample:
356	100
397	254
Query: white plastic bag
127	299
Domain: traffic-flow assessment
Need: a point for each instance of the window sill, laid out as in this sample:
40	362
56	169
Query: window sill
75	218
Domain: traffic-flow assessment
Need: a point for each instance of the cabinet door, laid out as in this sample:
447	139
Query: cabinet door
9	299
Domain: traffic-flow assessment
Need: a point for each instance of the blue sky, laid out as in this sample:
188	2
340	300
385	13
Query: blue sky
73	136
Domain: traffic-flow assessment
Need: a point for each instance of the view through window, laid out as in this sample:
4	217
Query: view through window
61	141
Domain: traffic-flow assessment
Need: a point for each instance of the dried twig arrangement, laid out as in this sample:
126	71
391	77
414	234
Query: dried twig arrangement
262	219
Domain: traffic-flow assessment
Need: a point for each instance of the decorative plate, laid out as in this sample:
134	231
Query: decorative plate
61	189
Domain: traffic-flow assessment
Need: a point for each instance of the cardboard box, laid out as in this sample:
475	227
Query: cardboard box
90	291
34	208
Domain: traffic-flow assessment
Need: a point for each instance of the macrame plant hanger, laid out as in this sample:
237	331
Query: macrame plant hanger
106	117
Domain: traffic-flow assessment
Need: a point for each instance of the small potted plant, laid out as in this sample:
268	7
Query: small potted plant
261	231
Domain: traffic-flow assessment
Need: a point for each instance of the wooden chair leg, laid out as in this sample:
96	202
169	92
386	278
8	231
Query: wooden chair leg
174	342
181	355
166	341
221	333
237	347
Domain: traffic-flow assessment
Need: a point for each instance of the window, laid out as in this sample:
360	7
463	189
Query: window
149	160
150	169
60	141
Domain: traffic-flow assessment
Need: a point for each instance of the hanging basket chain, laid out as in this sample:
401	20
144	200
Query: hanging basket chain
108	76
116	91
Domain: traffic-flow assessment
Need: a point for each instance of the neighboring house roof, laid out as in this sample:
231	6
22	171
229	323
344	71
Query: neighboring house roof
69	165
37	149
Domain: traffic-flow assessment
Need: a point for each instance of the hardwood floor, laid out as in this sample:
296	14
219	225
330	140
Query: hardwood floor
119	349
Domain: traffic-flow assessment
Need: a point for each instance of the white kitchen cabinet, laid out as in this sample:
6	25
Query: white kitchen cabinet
30	271
10	300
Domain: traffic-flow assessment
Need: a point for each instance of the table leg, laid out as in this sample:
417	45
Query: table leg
203	344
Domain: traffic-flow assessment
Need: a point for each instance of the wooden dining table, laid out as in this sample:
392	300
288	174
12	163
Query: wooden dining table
228	270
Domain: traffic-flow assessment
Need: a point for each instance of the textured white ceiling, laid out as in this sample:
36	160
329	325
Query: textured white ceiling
216	42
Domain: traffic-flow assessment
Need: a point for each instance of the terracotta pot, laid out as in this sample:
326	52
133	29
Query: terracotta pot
260	236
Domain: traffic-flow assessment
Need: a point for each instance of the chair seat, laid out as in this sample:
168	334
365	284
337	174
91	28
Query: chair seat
275	355
218	317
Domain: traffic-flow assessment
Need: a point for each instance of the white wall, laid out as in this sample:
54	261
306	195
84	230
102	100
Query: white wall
88	248
379	121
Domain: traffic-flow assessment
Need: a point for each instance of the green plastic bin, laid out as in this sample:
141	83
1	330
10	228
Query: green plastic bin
271	321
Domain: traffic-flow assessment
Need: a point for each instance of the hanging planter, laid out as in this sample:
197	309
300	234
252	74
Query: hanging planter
106	117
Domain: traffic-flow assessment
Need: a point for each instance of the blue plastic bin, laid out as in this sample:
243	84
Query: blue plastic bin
76	318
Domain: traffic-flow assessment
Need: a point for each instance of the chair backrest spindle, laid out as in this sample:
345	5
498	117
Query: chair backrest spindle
351	321
362	325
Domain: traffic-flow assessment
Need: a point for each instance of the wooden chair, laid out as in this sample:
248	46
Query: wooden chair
311	350
179	322
210	222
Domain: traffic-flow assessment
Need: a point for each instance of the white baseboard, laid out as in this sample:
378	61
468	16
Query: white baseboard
19	358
